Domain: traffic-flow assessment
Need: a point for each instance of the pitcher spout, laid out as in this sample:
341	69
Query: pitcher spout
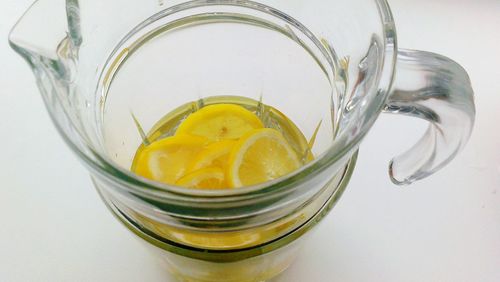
43	37
47	36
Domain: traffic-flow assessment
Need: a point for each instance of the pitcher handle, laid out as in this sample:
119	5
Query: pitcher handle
437	89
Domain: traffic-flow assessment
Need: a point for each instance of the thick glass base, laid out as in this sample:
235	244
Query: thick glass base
258	263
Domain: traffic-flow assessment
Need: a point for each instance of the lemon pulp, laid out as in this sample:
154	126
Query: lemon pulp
222	142
258	156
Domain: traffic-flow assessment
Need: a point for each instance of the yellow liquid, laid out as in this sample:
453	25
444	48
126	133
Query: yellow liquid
177	120
271	118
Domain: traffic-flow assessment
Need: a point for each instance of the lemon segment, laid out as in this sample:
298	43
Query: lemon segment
206	178
166	160
214	155
259	156
219	122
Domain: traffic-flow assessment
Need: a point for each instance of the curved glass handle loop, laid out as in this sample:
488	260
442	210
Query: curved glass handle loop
437	89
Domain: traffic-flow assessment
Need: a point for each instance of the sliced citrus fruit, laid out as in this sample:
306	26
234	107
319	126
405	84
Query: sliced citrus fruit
215	155
220	121
166	160
261	155
205	178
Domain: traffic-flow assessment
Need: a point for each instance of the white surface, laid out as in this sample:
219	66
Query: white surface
445	228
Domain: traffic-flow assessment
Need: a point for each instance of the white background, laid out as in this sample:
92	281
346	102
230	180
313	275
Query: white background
53	226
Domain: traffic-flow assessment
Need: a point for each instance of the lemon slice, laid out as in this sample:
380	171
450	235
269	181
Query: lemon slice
205	178
166	160
261	155
219	122
215	155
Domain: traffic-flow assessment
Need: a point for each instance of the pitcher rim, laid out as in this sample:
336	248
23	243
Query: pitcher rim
138	184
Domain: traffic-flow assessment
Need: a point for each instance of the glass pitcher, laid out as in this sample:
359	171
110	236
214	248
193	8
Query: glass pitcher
108	69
